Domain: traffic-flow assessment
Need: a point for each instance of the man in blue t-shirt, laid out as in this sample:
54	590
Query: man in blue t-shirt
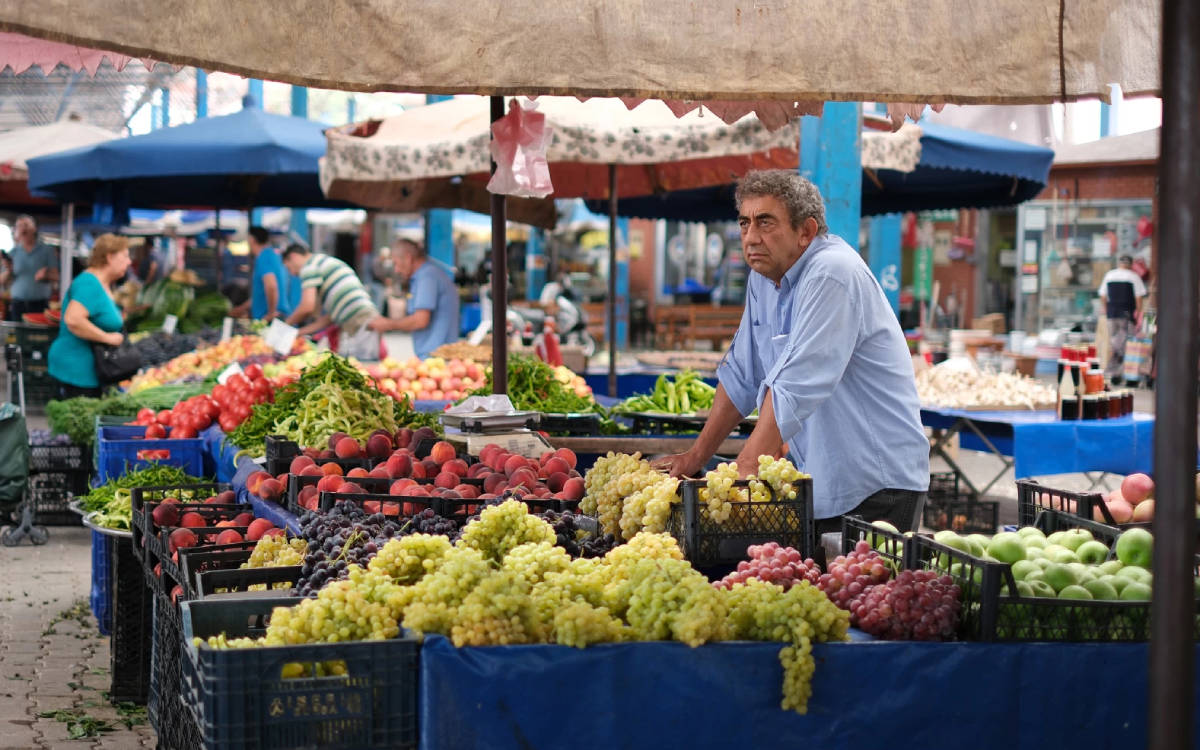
432	312
269	296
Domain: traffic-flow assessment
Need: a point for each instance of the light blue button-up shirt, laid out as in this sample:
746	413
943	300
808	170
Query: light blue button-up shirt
827	344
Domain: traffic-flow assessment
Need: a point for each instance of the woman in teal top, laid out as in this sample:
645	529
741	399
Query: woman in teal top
90	316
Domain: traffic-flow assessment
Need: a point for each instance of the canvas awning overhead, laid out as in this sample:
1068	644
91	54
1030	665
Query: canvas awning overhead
18	146
400	163
1020	51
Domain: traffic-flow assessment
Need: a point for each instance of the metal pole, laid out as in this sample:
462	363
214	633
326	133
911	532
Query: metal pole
499	278
610	330
66	250
1170	698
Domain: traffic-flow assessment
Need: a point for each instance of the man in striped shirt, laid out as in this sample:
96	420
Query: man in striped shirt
333	289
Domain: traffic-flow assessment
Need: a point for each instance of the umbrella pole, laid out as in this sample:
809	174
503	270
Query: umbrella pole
611	331
66	250
499	277
1172	608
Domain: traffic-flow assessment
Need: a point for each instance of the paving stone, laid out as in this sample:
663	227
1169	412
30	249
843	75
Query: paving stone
17	737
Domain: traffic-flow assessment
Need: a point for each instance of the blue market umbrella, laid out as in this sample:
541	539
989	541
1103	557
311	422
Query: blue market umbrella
958	169
249	158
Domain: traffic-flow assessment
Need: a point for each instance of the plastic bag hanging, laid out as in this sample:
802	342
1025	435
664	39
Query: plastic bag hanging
518	147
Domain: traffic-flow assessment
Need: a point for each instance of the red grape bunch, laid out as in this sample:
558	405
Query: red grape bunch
770	562
850	575
917	605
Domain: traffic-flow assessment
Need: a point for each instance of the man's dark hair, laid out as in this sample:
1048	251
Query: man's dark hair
260	235
1125	259
418	248
295	249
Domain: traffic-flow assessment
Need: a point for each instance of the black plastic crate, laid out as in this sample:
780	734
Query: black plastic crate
195	560
888	544
56	458
646	423
389	505
707	543
297	482
1033	498
241	699
569	424
172	721
129	649
51	495
965	514
191	497
40	389
280	579
31	338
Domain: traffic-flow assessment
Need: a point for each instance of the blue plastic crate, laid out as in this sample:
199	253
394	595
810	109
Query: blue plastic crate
101	594
119	447
241	699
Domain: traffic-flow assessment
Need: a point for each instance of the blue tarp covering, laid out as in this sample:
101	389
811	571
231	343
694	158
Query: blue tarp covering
880	694
1042	444
958	169
249	158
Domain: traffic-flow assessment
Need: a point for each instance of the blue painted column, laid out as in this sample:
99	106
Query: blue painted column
623	283
298	224
201	93
166	106
254	98
831	156
884	256
536	262
1105	119
351	108
439	222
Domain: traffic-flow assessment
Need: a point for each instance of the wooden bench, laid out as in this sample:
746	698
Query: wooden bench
717	325
669	320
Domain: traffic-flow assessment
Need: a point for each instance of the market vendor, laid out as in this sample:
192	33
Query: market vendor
431	315
333	294
268	283
820	354
32	268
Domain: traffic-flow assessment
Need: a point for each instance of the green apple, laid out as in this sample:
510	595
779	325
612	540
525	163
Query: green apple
1075	538
1134	573
1060	576
1063	555
1006	547
1101	589
1042	589
978	543
952	540
1024	589
1034	575
1034	542
1075	592
1119	583
1110	567
1136	592
1034	553
1022	568
1028	532
1042	562
1092	552
1056	537
1136	547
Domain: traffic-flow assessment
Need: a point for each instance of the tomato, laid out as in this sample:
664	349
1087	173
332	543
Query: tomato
200	421
164	417
183	431
211	409
253	371
228	422
220	394
262	387
145	415
155	431
238	383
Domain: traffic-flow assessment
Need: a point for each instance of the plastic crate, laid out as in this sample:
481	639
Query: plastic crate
59	458
943	485
569	424
121	448
706	543
888	544
100	594
40	389
51	495
241	700
143	499
280	579
389	505
965	514
195	560
174	723
31	338
1033	498
992	612
129	650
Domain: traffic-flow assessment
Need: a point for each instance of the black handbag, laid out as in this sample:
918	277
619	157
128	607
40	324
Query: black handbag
116	363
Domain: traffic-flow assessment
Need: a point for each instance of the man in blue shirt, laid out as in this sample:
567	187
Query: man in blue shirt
268	291
432	312
32	268
820	354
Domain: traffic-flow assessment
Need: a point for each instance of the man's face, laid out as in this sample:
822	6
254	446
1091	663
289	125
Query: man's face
294	263
25	231
769	242
1124	263
402	258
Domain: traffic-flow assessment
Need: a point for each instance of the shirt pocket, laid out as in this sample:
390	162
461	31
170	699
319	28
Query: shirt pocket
776	346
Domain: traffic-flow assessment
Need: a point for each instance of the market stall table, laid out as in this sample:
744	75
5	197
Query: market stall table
1037	443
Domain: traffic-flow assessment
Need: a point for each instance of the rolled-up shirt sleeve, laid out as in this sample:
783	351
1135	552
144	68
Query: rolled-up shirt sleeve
818	348
736	371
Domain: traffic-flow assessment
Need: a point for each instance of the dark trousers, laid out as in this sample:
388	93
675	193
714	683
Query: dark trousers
18	307
901	508
65	391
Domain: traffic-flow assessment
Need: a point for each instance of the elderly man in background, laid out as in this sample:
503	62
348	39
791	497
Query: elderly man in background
431	315
32	268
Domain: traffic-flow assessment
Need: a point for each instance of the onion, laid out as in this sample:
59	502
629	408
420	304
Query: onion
1137	487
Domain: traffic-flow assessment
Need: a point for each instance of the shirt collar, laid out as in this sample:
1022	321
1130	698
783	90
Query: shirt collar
788	282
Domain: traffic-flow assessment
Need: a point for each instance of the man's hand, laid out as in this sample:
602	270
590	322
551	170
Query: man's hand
380	324
680	464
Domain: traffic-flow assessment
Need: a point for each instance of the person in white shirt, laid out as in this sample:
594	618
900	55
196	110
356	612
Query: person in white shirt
1122	292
